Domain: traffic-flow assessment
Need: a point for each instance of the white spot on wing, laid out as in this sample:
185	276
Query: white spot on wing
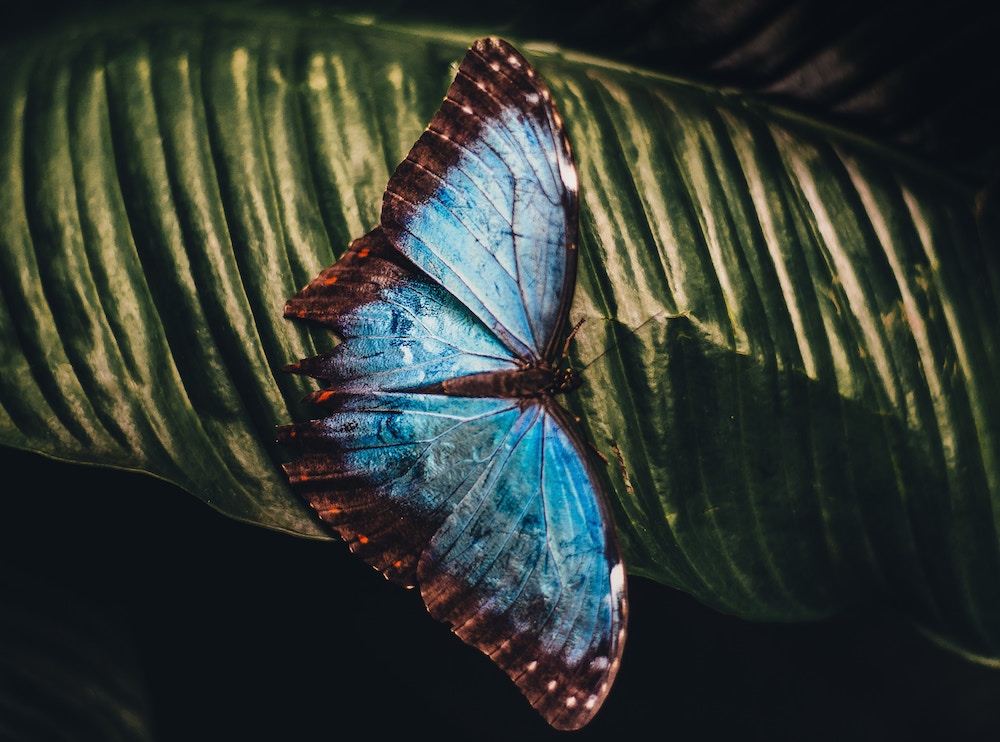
552	685
532	666
617	577
568	174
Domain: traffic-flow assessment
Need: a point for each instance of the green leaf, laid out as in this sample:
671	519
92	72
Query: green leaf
790	342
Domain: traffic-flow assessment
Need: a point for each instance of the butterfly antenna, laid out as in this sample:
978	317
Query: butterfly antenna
569	338
662	314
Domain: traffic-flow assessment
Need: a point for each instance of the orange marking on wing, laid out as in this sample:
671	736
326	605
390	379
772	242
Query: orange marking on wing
331	280
363	252
362	538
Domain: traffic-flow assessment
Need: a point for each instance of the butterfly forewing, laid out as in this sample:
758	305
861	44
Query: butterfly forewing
400	330
486	201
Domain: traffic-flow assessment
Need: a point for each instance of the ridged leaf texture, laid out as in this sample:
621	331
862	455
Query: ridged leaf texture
790	340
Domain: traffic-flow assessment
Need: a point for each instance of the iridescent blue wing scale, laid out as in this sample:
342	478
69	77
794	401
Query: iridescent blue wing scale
526	569
486	201
399	329
488	503
434	491
386	469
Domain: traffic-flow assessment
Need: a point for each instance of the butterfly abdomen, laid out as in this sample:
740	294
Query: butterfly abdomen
533	381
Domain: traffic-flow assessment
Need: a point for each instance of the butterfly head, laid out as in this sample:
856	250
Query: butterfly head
565	380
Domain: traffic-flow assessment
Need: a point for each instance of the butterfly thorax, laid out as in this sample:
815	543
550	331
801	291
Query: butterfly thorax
530	381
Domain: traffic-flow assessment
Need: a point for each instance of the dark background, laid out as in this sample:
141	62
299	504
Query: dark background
214	629
242	633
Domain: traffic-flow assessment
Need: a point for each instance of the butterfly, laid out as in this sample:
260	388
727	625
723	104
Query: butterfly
443	458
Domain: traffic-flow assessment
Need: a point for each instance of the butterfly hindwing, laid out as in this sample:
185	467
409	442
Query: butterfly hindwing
527	570
432	490
486	201
488	503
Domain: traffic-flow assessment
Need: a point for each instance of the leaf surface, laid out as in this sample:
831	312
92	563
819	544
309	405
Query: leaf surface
790	341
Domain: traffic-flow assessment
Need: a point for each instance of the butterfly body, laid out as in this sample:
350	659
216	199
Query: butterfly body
529	382
444	459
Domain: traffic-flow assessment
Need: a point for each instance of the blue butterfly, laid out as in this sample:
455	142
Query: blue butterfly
444	459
